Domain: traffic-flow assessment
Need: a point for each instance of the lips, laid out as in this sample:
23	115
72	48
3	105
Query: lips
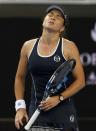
51	22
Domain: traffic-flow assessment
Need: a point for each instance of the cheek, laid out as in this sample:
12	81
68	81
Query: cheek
60	25
44	22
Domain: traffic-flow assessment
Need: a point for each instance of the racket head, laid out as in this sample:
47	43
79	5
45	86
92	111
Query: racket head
59	76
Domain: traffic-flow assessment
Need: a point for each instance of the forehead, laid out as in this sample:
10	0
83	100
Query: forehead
56	11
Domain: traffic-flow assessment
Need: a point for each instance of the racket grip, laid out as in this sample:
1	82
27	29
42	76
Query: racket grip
32	119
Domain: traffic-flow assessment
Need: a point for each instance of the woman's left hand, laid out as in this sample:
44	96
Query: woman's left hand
49	103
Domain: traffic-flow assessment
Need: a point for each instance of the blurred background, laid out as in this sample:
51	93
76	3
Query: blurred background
21	20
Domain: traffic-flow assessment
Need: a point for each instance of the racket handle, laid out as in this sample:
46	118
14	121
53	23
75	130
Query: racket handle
32	119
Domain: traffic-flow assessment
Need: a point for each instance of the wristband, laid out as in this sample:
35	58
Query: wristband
20	104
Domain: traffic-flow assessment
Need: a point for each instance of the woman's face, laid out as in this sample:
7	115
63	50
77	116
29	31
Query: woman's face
54	21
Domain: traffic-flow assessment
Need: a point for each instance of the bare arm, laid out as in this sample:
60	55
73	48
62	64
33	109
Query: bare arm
78	72
19	86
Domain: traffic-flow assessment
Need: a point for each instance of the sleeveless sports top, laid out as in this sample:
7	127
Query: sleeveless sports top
41	69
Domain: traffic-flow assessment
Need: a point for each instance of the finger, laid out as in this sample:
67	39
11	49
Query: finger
26	116
43	104
47	97
17	124
46	107
21	122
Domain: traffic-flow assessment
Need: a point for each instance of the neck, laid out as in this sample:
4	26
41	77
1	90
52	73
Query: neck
49	37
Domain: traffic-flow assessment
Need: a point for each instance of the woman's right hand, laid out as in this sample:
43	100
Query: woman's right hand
21	117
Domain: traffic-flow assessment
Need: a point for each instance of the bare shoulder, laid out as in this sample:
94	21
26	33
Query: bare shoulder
69	44
70	48
29	43
28	46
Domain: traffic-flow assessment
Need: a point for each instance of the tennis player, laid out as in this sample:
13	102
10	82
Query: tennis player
41	57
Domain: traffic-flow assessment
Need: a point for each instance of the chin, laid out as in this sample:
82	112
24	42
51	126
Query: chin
50	28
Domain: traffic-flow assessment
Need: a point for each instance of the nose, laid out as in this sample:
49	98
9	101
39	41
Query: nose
53	16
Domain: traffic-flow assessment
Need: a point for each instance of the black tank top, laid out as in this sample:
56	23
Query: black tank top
41	69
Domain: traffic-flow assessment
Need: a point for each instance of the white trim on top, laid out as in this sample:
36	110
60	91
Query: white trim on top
45	56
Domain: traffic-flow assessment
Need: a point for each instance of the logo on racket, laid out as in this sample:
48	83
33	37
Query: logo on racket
57	58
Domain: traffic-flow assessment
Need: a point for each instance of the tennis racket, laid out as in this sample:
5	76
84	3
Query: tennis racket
54	86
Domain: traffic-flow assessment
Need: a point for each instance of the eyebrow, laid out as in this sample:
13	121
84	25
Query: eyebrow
57	12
